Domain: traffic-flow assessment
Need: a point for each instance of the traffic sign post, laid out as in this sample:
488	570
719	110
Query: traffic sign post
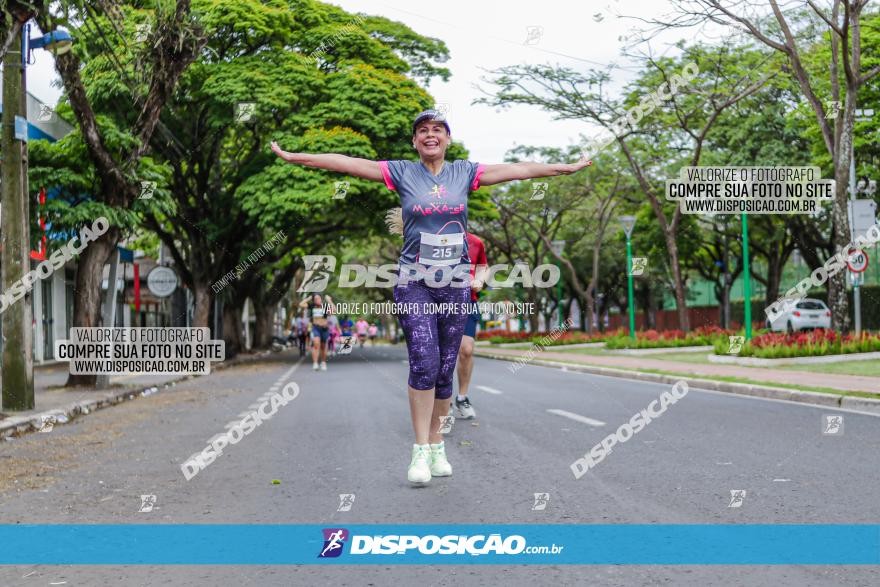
857	261
862	216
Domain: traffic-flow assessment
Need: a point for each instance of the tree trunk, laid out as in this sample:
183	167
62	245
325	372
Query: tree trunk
232	327
591	287
774	277
651	318
725	303
680	294
837	299
264	323
203	300
532	298
87	302
588	315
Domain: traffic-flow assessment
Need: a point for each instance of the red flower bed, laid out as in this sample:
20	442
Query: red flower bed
776	345
487	334
550	338
705	335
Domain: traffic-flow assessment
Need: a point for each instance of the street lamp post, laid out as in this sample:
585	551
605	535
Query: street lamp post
558	247
17	371
629	223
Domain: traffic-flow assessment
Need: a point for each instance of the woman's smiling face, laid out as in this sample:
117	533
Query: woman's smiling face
431	139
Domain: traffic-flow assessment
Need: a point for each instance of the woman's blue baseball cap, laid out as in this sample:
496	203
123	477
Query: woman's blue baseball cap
431	115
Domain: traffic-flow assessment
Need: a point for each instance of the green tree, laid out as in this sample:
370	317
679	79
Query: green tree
848	67
314	77
655	141
95	82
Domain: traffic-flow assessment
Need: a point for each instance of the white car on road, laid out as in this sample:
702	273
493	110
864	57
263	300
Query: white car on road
805	314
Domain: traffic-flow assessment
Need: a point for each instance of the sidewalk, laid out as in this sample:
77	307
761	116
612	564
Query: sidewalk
51	398
804	378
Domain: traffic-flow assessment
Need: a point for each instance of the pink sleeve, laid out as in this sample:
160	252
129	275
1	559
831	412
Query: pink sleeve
386	175
476	184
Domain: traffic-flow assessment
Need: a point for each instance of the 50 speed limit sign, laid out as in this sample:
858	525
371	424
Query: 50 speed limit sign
857	261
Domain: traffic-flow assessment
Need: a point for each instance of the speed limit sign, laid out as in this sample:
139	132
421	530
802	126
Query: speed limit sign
857	261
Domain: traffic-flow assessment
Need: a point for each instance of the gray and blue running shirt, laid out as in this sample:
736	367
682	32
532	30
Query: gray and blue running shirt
433	206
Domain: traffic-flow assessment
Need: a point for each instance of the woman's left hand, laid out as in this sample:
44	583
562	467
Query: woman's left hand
575	167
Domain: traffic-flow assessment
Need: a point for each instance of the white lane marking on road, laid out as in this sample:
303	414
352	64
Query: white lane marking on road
781	480
491	390
292	369
577	417
728	463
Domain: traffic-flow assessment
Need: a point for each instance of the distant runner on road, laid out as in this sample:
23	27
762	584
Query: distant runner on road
362	326
320	331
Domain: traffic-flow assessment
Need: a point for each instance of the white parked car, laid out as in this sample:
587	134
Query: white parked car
805	314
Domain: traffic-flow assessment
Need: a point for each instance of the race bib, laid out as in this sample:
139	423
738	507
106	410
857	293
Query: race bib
441	249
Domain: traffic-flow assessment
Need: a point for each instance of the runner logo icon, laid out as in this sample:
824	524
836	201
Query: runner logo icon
318	268
737	496
345	345
334	540
346	500
541	501
832	424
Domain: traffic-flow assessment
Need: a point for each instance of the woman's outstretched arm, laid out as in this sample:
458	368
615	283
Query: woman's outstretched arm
363	168
502	172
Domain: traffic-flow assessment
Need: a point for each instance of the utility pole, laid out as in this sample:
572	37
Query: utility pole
16	321
747	279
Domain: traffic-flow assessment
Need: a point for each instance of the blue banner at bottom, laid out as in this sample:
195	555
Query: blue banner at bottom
245	544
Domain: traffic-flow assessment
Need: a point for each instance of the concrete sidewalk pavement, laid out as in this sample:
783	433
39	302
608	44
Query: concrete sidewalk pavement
804	378
63	404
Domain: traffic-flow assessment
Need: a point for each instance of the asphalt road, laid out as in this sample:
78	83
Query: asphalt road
348	432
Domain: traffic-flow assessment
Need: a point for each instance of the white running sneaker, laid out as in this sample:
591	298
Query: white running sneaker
420	469
440	467
323	366
464	409
314	366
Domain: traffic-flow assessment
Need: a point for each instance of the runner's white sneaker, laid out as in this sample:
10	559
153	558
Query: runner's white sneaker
314	366
323	366
440	467
419	468
464	409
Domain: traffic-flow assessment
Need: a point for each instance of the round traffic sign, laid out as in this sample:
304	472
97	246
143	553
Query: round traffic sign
162	281
857	260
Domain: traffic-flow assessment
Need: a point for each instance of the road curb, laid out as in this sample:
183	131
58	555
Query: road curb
766	391
18	425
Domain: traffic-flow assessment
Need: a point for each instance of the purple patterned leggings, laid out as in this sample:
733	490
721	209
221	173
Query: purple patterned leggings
432	340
